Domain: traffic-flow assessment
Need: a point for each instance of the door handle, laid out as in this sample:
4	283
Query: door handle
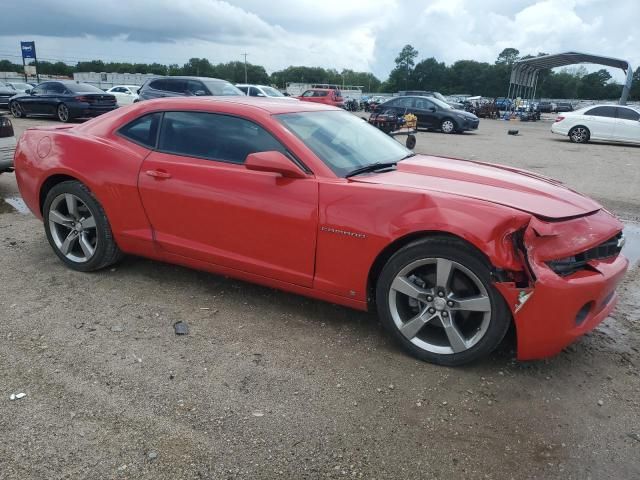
159	174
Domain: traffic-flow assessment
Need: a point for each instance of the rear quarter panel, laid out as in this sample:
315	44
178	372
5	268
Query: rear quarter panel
108	166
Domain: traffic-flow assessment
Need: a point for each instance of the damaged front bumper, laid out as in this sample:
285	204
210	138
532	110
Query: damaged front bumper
555	309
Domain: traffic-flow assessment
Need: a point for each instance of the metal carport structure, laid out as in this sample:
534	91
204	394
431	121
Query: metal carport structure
524	74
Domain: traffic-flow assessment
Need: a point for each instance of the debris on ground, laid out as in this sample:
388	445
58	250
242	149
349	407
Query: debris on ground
258	413
513	132
181	328
152	455
17	396
117	328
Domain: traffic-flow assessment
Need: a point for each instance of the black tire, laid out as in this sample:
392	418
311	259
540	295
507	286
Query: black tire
579	134
448	125
106	250
16	110
411	142
62	113
458	251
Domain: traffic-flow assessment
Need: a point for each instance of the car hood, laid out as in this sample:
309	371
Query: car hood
519	189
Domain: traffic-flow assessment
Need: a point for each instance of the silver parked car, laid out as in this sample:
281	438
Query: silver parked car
7	144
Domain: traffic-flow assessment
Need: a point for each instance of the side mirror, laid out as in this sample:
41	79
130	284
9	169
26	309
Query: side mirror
200	93
274	162
260	95
432	109
28	91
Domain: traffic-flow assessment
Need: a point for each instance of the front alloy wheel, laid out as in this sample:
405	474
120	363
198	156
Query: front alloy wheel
436	297
447	126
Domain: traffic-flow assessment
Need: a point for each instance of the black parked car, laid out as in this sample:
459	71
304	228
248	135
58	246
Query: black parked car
6	92
185	87
564	107
431	112
64	99
545	107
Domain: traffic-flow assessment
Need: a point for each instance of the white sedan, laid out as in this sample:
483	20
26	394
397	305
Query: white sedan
610	123
125	94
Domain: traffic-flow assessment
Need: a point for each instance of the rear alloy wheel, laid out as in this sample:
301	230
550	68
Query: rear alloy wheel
63	113
437	299
77	228
16	110
579	134
448	126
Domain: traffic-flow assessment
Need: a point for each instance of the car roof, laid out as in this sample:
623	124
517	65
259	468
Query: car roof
188	77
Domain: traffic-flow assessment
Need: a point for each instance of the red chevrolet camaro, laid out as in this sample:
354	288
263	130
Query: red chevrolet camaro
311	199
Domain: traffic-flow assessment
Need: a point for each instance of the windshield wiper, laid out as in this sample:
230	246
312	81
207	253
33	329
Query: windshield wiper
408	155
371	168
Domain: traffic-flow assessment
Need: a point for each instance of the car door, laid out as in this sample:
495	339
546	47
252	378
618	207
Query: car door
54	94
426	112
204	204
600	121
32	103
627	126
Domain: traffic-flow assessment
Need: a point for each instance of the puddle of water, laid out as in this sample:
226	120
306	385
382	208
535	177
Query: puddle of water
12	204
631	248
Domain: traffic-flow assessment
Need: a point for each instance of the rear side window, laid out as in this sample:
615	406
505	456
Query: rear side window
628	114
143	130
602	112
214	137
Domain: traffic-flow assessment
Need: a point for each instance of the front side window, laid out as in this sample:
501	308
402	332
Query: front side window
214	137
253	92
308	93
55	89
602	112
143	130
40	89
244	90
343	141
423	104
628	114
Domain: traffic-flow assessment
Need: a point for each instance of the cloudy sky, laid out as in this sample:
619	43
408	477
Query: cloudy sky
358	34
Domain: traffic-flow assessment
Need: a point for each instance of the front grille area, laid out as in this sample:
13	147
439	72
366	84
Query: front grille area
609	249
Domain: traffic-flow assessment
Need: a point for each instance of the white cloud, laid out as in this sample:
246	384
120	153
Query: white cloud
359	34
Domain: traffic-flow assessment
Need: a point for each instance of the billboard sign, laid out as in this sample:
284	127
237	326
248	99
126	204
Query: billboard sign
28	50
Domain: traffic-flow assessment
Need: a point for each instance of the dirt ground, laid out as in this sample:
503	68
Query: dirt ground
273	385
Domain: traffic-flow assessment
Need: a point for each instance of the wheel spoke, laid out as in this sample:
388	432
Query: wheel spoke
86	246
480	303
403	285
65	248
72	205
88	223
456	340
60	219
444	269
413	326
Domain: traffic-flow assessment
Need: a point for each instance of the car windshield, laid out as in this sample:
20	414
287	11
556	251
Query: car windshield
272	92
221	88
82	88
439	96
343	141
440	103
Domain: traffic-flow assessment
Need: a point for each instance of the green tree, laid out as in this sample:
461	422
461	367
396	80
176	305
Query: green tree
405	61
508	56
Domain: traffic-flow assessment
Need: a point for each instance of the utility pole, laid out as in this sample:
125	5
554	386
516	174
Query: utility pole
245	66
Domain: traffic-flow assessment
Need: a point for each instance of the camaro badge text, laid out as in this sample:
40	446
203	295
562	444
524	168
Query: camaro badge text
342	232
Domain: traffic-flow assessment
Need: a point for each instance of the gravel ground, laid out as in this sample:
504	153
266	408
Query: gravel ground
272	385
